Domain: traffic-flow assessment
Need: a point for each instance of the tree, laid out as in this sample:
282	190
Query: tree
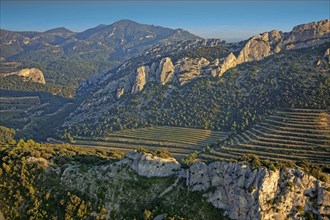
147	214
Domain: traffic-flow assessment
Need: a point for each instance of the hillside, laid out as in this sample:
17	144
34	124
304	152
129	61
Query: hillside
68	58
60	181
284	135
224	94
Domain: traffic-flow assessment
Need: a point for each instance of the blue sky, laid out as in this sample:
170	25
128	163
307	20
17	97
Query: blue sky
229	20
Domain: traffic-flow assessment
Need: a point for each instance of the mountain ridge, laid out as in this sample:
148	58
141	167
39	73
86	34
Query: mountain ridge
101	47
136	74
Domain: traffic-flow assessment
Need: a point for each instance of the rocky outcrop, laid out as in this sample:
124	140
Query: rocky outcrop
141	78
133	75
162	71
153	166
260	193
269	43
256	48
242	192
165	71
228	63
33	75
307	35
120	92
260	46
327	55
188	69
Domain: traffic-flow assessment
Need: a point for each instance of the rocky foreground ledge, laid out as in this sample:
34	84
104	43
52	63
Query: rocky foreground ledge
242	192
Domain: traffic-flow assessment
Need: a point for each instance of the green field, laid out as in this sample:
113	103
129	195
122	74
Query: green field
180	141
289	135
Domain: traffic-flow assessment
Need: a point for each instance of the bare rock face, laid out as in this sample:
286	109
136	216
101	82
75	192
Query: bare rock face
33	75
243	193
153	166
187	69
165	71
306	35
259	46
268	43
260	193
141	78
120	92
228	63
327	55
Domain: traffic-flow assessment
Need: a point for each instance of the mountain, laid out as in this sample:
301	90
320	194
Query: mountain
60	30
102	47
183	88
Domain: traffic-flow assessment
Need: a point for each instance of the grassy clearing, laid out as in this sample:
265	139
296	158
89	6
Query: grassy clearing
294	134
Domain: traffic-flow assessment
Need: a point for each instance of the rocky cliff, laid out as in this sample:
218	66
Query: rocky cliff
107	89
183	70
33	75
260	193
268	43
243	192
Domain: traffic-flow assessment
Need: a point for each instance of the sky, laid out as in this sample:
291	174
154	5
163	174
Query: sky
228	20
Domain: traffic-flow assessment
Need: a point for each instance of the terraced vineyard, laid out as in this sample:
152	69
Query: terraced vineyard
180	141
12	109
294	134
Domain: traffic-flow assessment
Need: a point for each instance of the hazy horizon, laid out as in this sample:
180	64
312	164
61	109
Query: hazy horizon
230	21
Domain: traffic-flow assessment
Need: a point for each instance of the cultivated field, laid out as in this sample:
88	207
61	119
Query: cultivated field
294	134
14	109
7	67
180	141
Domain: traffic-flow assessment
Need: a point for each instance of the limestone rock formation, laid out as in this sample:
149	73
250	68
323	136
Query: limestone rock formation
260	46
306	35
133	75
188	69
165	71
242	192
141	78
120	92
260	193
33	75
229	62
153	166
327	55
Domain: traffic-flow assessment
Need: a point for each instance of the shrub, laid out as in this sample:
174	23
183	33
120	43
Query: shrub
310	216
147	214
290	184
142	150
251	189
268	165
188	160
163	153
312	169
252	159
300	209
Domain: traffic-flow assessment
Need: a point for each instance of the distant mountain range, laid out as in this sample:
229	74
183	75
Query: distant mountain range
59	52
118	41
